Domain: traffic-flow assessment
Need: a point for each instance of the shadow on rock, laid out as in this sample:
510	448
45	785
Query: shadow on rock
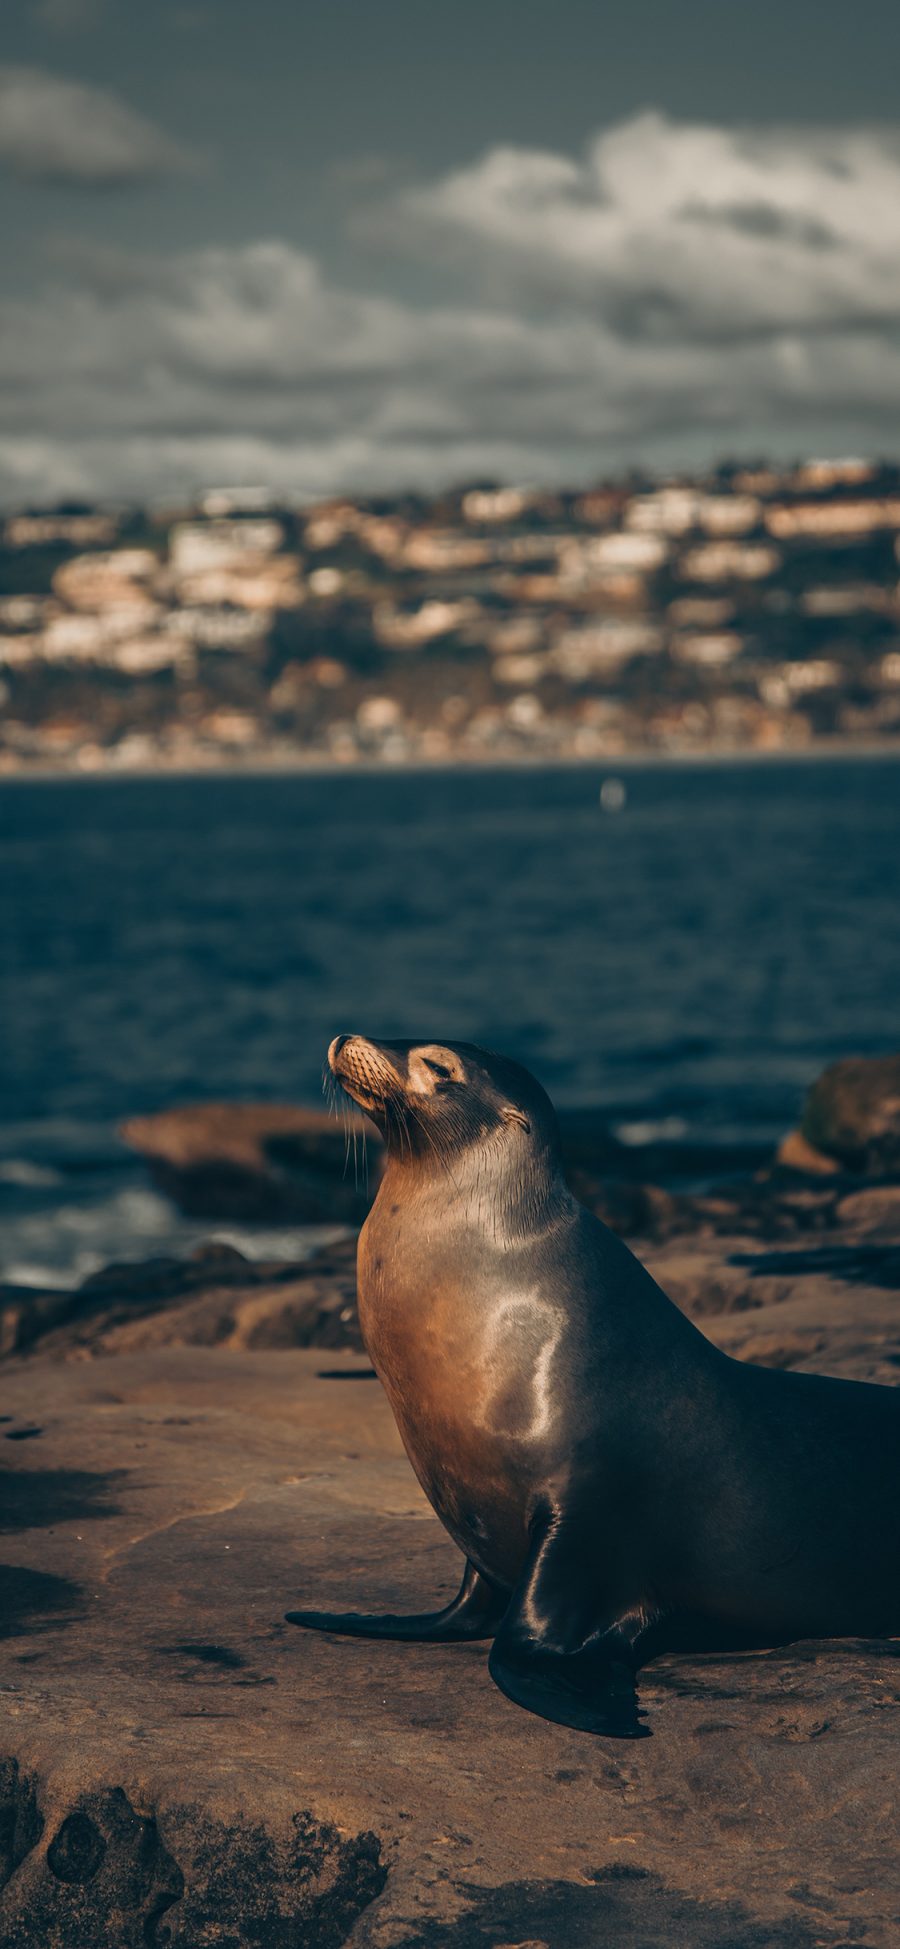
30	1600
39	1498
626	1906
21	1822
858	1263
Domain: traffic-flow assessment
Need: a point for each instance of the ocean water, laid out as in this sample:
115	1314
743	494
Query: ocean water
689	959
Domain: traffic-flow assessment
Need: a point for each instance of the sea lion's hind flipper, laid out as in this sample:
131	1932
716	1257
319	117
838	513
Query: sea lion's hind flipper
475	1612
560	1652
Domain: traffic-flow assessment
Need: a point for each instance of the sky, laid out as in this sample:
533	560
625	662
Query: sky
364	246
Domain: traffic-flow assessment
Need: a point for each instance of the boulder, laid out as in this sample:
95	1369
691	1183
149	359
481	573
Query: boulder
795	1153
216	1298
632	1209
873	1212
852	1114
268	1163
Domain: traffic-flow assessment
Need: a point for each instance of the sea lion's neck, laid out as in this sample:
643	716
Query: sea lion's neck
505	1197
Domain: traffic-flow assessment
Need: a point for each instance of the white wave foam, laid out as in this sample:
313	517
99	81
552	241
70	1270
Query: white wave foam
61	1247
27	1175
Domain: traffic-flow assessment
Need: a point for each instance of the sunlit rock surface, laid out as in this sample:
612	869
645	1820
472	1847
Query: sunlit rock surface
259	1162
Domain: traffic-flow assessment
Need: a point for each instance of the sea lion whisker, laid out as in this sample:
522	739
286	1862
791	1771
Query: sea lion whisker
401	1119
404	1126
347	1126
439	1153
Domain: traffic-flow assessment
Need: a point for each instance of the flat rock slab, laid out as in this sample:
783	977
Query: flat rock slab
183	1768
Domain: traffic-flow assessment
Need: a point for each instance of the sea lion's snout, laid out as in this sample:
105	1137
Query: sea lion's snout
363	1069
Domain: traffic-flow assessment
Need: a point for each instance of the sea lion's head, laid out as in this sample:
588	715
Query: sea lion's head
437	1099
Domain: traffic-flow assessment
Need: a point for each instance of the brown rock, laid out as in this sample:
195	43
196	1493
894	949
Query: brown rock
632	1209
258	1162
853	1113
795	1153
702	1282
183	1767
781	1349
215	1298
873	1213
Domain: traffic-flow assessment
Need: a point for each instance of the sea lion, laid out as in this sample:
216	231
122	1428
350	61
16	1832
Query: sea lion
618	1486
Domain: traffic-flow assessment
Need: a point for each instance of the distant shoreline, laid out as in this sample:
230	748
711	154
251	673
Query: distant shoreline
314	765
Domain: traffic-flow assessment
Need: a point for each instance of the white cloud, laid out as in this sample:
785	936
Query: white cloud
667	228
681	292
57	131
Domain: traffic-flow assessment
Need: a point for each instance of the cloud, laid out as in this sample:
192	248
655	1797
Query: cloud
672	229
67	132
678	294
135	375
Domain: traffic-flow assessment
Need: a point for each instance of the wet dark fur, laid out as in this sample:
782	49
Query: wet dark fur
617	1485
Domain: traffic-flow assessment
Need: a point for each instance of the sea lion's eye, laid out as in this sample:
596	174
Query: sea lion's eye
438	1069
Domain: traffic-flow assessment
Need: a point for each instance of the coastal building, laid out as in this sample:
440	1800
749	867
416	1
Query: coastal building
851	599
117	580
787	681
824	475
602	647
700	612
710	649
526	668
634	551
729	561
89	530
257	582
670	510
215	626
833	520
195	546
495	504
680	510
409	629
442	551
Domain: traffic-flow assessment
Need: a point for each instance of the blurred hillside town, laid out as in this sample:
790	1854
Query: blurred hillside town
750	609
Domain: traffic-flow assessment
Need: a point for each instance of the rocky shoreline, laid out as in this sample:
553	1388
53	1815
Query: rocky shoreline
195	1443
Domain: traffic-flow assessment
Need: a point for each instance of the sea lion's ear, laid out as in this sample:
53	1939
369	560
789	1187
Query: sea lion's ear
510	1114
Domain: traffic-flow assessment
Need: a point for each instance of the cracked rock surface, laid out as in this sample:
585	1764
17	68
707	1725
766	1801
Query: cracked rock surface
180	1767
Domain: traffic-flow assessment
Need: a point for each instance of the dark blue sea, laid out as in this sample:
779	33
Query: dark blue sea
689	960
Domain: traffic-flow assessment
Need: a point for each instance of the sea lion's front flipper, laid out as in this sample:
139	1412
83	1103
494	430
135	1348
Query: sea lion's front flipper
559	1651
475	1612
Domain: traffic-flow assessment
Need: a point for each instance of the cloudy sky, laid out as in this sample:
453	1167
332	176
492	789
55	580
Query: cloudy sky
363	245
